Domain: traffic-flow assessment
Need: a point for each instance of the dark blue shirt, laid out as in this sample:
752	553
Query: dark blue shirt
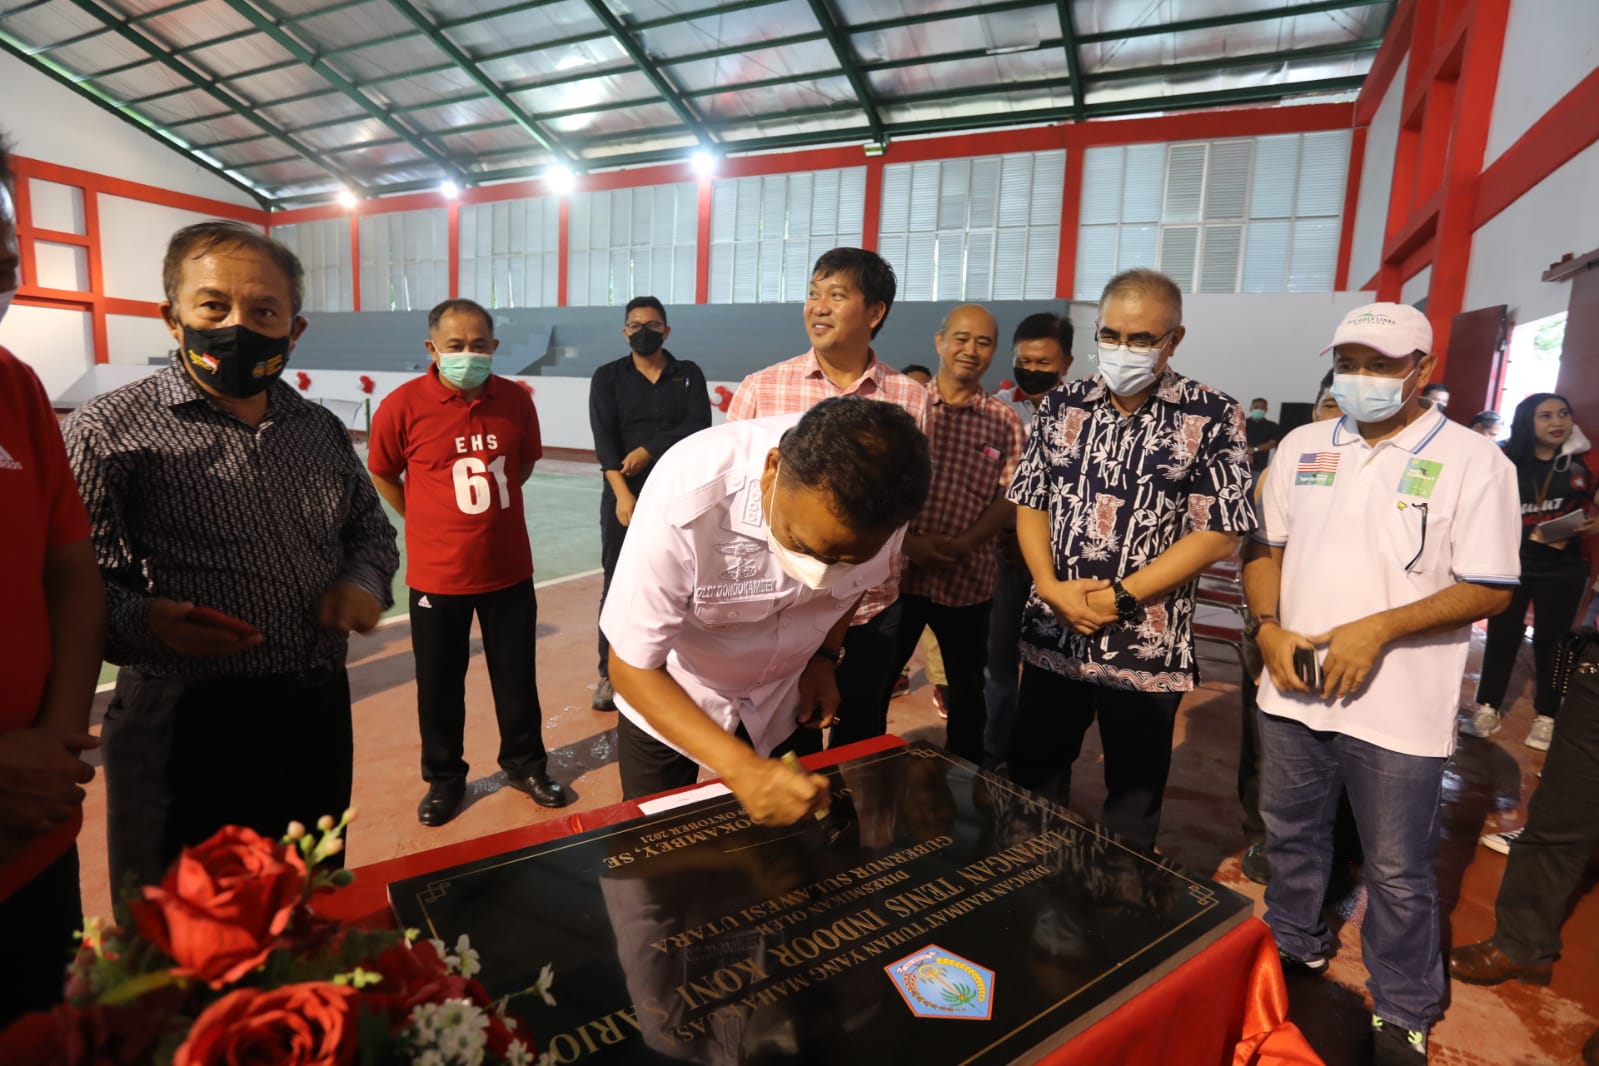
1120	491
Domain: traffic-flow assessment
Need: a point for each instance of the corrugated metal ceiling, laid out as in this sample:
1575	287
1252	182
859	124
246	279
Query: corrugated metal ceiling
297	100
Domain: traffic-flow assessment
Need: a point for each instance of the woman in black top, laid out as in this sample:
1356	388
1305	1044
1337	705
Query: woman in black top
1556	472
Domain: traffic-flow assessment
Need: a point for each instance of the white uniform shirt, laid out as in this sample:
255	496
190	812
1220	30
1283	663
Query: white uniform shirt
697	589
1025	409
1367	529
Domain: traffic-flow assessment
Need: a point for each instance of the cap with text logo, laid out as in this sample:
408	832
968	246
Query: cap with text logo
1392	329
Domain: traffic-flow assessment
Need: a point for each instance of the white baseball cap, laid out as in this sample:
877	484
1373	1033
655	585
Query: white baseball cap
1393	329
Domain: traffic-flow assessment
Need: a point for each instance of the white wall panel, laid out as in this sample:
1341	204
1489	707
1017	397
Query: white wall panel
57	343
58	126
133	240
1515	247
1376	181
135	340
55	206
1415	289
61	266
1550	45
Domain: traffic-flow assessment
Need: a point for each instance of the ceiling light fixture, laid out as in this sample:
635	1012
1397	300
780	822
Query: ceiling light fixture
560	179
347	199
703	162
450	189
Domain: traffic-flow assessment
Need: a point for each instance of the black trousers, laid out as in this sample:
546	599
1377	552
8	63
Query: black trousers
1053	714
440	636
648	766
185	758
1548	859
865	682
962	634
612	533
39	919
1554	608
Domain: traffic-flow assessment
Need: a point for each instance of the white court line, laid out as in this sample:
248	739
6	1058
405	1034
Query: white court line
397	619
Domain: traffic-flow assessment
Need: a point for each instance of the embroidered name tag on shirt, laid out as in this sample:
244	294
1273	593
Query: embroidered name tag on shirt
736	590
1420	478
1316	468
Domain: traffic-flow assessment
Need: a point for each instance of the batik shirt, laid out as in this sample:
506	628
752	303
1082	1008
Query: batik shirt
1120	491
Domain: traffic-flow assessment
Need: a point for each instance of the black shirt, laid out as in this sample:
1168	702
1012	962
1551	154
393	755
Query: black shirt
627	411
1258	431
191	504
1551	488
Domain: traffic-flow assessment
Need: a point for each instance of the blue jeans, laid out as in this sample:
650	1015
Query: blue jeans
1396	801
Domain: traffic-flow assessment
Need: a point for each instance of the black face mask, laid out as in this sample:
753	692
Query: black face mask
236	361
1033	382
645	341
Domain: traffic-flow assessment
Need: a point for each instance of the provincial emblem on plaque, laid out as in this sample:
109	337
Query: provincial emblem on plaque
940	984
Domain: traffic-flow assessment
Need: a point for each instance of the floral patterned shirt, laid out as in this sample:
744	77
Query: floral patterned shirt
1120	491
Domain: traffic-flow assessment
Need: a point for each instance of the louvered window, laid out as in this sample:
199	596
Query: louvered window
1257	214
974	229
624	243
405	260
324	251
767	231
510	252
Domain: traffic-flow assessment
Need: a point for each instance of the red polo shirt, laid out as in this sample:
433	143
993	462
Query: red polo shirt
462	461
44	512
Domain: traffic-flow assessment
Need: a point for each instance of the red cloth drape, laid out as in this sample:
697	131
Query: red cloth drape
1226	1006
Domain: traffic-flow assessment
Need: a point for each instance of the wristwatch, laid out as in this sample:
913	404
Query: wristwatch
1253	623
832	655
1126	602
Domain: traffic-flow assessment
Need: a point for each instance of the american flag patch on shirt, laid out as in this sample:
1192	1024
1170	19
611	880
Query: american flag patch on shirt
1316	468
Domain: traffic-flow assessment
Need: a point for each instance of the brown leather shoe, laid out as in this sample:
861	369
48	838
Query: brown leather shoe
1485	964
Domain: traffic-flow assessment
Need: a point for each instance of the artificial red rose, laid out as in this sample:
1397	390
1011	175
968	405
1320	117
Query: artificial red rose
91	1036
409	975
223	905
311	1024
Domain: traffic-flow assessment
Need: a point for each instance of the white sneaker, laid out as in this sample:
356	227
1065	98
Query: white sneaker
1500	842
1484	722
1542	732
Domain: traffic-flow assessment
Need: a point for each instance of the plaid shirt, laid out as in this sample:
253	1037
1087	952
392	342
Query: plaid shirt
975	449
1119	492
798	384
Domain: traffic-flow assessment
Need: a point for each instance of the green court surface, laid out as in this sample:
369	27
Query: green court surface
563	521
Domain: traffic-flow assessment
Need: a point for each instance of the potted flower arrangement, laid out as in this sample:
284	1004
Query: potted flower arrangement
227	962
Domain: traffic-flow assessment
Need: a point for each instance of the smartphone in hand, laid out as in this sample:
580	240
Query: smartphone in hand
1307	669
206	616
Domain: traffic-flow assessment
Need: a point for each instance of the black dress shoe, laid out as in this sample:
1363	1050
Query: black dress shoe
1255	866
441	804
545	790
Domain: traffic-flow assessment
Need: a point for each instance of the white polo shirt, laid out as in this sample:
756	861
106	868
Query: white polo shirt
697	589
1367	529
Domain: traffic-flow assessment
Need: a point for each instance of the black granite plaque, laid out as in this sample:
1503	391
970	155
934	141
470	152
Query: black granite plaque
938	914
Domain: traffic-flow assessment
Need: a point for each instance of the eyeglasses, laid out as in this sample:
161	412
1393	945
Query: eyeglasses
654	327
1108	342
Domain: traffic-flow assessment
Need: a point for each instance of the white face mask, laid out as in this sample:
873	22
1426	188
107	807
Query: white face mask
806	569
1126	373
1369	399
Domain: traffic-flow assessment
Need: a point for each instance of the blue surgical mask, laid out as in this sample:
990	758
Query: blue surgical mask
465	371
1257	415
1369	399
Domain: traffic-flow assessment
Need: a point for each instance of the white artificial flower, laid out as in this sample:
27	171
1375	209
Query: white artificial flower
468	962
545	982
430	1057
517	1054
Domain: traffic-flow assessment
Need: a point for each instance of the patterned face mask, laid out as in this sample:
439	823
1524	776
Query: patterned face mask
236	361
